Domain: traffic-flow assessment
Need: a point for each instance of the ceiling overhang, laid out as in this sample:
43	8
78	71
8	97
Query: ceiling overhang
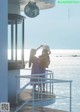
42	4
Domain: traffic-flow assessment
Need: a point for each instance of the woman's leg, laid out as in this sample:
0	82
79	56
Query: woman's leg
34	87
43	87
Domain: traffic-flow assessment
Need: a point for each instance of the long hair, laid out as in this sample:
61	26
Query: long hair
32	54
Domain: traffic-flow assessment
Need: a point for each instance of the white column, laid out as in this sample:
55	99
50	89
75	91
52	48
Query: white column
3	51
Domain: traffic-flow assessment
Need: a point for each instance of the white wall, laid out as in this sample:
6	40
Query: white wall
3	51
14	85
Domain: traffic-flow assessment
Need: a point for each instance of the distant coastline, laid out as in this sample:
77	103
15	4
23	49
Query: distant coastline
68	56
54	53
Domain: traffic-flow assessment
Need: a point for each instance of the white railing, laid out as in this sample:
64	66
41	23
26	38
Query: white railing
49	81
48	75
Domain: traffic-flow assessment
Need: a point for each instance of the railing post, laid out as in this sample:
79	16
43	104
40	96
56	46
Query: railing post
52	84
46	87
41	88
16	91
70	96
33	99
38	87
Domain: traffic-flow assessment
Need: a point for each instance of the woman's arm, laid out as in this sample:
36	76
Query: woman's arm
39	47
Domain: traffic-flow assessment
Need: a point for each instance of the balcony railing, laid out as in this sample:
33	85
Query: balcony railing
40	98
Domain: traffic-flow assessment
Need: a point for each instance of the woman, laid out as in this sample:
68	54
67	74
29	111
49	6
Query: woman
33	60
39	64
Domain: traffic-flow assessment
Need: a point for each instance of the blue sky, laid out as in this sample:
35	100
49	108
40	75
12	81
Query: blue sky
59	27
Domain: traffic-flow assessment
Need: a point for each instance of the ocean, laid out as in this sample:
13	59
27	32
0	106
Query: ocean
66	65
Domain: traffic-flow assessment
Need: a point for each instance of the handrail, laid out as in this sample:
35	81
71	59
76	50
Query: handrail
23	88
33	75
22	105
48	72
54	80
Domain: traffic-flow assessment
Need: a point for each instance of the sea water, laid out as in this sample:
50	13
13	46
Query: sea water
66	65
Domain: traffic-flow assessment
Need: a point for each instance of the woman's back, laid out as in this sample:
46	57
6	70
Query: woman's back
35	66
